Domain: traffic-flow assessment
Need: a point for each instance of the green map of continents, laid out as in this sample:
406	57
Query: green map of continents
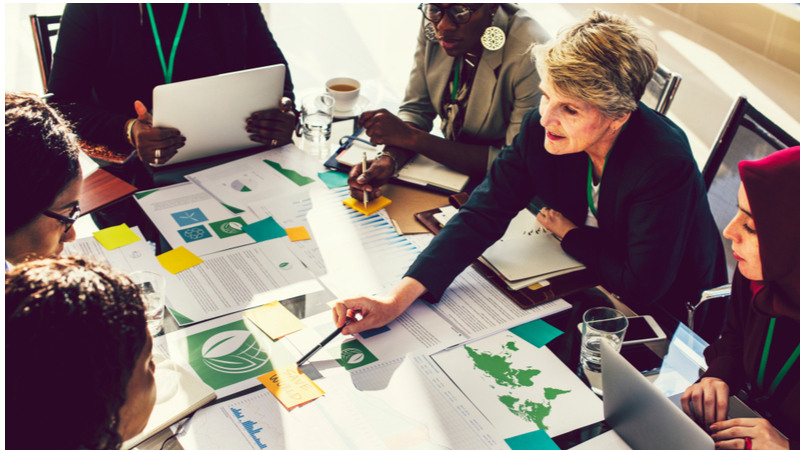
498	367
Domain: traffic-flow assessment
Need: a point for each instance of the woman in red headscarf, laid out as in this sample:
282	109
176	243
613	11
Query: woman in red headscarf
760	344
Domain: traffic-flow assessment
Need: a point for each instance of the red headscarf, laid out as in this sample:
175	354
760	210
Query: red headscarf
772	186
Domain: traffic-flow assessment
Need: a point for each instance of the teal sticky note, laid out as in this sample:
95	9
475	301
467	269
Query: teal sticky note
536	439
537	332
333	179
264	230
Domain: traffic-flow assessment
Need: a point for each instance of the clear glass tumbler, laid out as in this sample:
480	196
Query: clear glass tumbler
600	323
153	287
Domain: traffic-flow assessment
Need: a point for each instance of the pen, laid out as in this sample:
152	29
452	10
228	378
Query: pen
364	170
323	343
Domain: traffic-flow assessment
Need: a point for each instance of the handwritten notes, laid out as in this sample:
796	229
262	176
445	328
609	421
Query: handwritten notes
291	386
116	237
178	260
275	320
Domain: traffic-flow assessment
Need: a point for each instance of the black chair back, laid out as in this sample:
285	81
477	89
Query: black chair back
746	135
45	31
661	89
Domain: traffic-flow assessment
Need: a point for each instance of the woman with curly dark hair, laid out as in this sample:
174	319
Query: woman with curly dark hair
78	356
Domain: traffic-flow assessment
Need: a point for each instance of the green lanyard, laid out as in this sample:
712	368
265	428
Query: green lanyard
454	89
765	355
589	197
168	69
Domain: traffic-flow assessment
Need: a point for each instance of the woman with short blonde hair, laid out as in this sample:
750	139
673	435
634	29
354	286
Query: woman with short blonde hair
649	238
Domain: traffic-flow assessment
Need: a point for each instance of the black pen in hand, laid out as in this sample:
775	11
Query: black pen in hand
323	343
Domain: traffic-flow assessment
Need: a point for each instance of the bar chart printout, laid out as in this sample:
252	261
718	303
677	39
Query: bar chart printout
249	426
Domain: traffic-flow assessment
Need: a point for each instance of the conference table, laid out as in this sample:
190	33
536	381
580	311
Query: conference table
647	358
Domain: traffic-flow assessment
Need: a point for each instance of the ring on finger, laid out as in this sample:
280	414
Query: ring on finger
158	153
274	143
155	161
748	443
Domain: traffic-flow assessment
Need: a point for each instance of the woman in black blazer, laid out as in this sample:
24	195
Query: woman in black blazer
647	234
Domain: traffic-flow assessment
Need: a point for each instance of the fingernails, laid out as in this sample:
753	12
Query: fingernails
362	179
377	193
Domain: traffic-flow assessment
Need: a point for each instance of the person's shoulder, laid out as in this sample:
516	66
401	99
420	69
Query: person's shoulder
523	29
660	133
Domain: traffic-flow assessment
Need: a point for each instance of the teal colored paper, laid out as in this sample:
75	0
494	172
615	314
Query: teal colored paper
538	440
264	230
333	179
537	332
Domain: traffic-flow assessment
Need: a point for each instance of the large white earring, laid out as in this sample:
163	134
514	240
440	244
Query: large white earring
430	32
493	38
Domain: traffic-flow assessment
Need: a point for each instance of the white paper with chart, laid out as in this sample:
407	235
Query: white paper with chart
255	177
187	216
519	387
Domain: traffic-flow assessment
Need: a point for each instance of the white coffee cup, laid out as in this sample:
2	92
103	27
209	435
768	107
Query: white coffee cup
345	91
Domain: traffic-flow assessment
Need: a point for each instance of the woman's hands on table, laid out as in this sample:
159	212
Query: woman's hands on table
272	127
555	222
734	433
154	145
377	311
378	173
385	128
709	398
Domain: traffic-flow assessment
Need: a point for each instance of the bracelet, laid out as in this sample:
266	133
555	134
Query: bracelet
128	130
392	157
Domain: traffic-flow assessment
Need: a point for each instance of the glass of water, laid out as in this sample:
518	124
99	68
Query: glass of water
600	323
316	115
153	287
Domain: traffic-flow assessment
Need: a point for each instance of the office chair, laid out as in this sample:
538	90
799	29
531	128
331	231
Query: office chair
661	89
45	31
746	135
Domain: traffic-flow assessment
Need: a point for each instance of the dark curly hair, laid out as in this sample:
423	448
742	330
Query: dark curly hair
41	158
74	330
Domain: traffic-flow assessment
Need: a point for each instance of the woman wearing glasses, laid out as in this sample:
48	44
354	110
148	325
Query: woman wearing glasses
43	180
622	188
471	69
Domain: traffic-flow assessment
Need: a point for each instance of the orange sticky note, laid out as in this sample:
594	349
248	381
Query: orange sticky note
178	260
291	386
275	320
116	237
372	207
298	234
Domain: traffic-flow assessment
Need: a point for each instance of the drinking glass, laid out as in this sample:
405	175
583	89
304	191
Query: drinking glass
600	323
153	286
317	116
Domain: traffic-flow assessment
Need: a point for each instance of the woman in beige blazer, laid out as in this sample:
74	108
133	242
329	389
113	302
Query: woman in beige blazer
496	81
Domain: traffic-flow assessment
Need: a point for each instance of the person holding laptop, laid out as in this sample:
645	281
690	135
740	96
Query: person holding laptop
77	353
622	187
471	68
760	343
43	180
109	57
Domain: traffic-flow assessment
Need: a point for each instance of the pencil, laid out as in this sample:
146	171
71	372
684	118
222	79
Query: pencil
364	170
324	342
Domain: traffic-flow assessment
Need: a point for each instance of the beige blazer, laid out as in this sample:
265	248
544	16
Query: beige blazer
505	88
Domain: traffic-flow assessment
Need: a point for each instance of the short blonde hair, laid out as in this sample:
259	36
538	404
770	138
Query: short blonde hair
604	60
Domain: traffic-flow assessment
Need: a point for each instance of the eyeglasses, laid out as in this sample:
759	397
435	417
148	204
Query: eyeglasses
458	13
68	221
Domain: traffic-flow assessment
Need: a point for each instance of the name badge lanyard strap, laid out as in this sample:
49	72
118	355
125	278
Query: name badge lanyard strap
589	197
765	356
167	68
454	88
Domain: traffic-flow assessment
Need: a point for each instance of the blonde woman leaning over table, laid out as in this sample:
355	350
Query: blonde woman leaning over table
760	342
78	357
43	180
622	187
472	69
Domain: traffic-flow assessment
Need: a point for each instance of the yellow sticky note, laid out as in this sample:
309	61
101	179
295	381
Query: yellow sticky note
116	237
372	207
298	234
291	386
275	320
178	260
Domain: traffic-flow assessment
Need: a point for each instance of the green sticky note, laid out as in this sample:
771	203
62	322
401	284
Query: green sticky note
116	237
333	179
536	439
537	332
264	230
296	178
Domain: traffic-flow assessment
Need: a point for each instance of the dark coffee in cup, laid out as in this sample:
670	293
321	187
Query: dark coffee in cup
342	88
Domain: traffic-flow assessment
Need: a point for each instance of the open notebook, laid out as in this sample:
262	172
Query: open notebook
180	393
419	170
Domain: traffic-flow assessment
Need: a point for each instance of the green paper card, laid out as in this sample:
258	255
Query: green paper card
537	332
264	230
333	179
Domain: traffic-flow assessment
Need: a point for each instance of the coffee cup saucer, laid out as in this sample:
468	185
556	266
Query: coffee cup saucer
361	105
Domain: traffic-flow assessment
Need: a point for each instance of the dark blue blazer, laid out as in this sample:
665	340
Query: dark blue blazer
656	241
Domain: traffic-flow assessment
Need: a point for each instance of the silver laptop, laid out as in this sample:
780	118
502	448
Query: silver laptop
640	414
211	112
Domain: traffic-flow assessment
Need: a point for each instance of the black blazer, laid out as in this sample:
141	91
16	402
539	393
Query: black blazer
656	241
106	58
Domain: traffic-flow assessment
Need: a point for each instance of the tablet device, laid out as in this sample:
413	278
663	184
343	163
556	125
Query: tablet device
211	112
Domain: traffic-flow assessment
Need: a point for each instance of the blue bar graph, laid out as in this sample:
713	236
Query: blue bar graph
250	426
